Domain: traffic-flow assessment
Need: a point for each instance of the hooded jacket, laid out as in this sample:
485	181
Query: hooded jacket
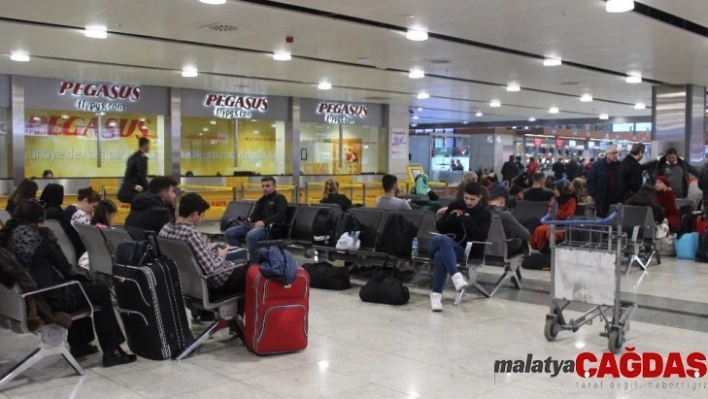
659	168
473	225
148	212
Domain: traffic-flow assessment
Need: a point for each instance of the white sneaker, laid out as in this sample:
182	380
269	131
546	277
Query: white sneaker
436	302
459	280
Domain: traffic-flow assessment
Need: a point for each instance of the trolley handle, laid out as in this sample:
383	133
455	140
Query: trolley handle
608	220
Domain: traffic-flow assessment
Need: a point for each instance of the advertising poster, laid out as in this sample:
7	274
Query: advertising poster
66	142
351	160
399	144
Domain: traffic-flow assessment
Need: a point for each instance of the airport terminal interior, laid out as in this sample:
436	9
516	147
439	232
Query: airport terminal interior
458	107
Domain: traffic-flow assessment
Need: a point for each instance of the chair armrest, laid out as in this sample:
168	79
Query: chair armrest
62	285
221	271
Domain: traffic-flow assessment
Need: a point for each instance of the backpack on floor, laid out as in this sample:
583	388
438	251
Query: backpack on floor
323	227
399	234
686	246
346	223
537	261
385	289
326	276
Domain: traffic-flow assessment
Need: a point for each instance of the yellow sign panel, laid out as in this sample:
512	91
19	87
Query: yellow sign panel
67	142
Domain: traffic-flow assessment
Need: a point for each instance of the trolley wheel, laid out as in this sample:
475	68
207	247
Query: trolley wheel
615	341
309	253
550	331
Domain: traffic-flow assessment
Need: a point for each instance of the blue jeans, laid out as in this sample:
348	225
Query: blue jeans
235	235
445	254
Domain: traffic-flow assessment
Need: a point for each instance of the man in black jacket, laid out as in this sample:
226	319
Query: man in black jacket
509	170
464	221
152	210
675	168
630	172
270	211
135	179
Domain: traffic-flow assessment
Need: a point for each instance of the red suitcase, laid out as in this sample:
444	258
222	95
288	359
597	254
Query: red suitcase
276	315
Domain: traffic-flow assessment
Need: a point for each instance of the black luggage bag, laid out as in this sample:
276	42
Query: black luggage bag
150	301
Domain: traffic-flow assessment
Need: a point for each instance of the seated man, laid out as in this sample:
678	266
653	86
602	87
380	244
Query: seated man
271	208
537	192
191	211
388	201
512	228
152	210
463	221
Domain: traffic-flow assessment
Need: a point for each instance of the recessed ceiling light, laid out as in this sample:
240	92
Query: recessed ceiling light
19	56
212	122
253	120
96	32
213	2
419	109
552	62
414	124
604	116
513	86
324	86
633	78
416	35
553	110
112	124
416	74
36	118
495	103
190	72
479	114
65	116
465	122
640	106
423	95
532	119
586	98
205	129
415	117
282	56
619	5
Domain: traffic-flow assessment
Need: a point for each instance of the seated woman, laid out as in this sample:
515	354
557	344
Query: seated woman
421	187
103	219
666	198
82	211
463	221
331	195
52	198
564	196
27	190
646	196
37	250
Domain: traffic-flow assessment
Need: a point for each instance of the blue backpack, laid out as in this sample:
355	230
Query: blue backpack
277	264
686	246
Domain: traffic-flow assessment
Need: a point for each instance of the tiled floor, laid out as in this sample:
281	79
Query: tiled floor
359	350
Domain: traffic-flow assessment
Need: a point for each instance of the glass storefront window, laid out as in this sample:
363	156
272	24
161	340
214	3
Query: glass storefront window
87	144
221	147
5	144
362	149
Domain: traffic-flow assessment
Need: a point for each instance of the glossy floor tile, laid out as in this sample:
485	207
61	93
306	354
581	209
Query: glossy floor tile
360	350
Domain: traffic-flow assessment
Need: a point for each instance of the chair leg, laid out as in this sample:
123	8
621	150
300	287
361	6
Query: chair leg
72	361
217	325
500	281
22	366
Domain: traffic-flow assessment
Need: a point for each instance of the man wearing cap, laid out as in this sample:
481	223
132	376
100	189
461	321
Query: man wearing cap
630	172
515	231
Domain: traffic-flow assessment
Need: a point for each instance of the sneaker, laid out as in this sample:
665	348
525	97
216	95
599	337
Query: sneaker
459	280
436	302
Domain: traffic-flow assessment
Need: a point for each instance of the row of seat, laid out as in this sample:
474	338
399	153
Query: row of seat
372	223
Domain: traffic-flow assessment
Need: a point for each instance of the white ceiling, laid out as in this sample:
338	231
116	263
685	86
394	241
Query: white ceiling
155	38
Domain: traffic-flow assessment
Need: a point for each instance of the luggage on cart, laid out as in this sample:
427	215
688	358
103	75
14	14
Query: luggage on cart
276	317
150	301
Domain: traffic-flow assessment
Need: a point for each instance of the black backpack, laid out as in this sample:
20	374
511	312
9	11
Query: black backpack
399	233
346	223
323	227
135	253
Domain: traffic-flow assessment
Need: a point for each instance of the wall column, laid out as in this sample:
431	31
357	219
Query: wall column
17	112
679	121
396	124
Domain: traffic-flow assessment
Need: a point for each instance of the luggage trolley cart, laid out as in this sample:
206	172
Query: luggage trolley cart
586	267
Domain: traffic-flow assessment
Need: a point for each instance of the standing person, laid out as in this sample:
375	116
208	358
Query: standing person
463	221
573	169
271	208
153	209
331	195
135	179
558	169
603	181
519	165
676	169
532	167
26	190
509	170
630	172
389	200
588	165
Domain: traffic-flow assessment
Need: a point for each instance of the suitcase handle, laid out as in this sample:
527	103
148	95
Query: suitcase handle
151	237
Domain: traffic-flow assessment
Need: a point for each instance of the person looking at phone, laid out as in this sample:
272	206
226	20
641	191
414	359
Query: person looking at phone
464	220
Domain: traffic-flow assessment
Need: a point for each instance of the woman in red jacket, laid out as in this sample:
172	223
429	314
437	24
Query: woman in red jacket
667	199
564	196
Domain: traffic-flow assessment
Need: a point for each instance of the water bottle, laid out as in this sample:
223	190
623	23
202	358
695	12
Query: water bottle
414	247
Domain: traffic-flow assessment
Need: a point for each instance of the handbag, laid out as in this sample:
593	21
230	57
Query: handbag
662	229
326	276
385	289
349	242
